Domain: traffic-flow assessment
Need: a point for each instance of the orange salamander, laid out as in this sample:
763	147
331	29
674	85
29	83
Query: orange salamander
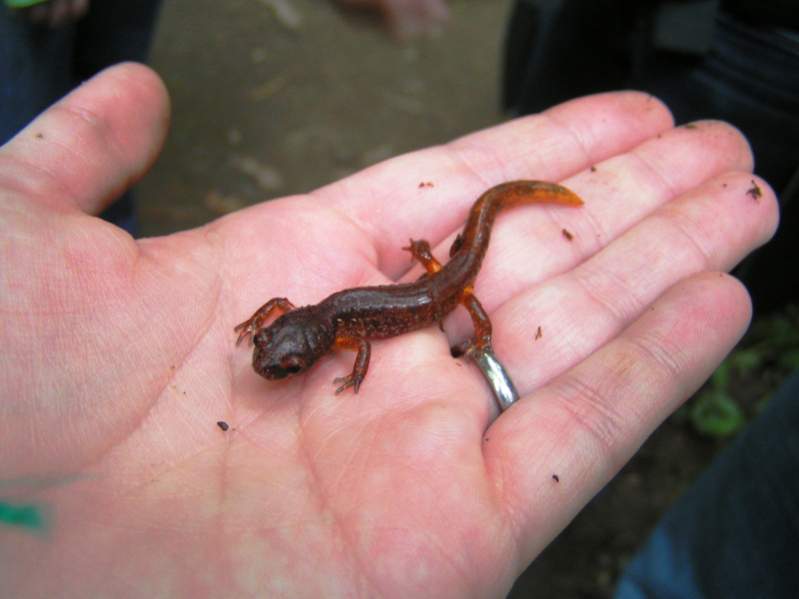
349	318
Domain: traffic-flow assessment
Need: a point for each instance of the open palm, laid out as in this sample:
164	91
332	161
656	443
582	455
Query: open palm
118	356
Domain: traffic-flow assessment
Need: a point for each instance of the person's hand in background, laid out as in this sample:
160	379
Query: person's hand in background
55	13
404	18
119	357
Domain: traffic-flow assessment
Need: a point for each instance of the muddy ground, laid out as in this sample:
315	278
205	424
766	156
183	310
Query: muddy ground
268	104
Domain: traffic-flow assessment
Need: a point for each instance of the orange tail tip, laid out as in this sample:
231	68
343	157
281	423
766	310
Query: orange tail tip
567	197
541	192
552	193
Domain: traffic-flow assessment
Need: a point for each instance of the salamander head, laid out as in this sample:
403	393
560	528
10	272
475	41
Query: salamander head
291	344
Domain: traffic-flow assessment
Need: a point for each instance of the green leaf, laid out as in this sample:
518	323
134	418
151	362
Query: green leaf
747	360
721	377
715	414
789	359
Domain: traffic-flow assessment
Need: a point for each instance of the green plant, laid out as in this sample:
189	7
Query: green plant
748	377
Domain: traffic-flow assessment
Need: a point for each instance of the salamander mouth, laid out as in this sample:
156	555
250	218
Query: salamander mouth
278	372
275	373
267	368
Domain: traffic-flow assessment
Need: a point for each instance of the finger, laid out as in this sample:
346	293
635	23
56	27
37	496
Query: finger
710	228
89	147
619	193
389	205
586	424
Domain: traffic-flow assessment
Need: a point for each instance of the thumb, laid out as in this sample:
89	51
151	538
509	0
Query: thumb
94	143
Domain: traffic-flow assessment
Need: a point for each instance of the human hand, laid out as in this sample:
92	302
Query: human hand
56	13
405	18
118	355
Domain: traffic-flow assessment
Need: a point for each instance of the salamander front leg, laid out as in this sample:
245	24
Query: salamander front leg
482	326
355	378
255	322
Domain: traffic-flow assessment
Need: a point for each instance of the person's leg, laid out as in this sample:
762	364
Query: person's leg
744	73
561	49
735	533
35	69
115	31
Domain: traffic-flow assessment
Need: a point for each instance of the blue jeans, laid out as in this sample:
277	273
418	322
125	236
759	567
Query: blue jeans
39	65
735	533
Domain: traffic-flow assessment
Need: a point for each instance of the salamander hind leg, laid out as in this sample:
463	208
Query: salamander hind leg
420	250
255	322
482	326
359	368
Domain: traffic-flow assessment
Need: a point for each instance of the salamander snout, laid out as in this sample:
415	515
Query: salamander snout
279	356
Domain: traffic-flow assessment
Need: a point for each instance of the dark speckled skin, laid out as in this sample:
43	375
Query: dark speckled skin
348	318
389	310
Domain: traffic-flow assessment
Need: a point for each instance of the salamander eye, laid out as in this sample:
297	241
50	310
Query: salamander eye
292	364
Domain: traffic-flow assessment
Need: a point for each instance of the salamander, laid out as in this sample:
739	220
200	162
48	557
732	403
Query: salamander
350	318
